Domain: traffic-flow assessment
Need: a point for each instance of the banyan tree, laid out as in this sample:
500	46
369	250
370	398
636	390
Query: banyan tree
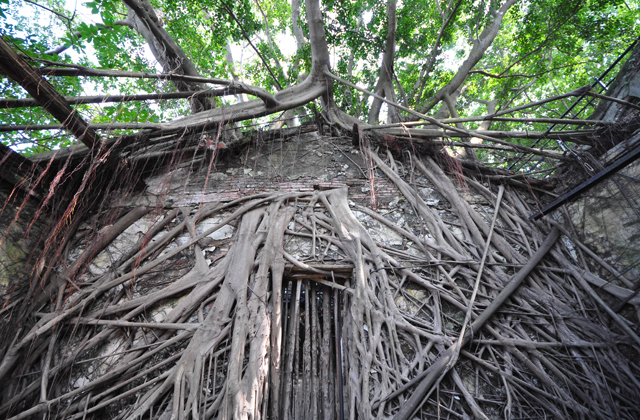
217	265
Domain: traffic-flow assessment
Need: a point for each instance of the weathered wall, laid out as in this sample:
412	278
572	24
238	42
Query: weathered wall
18	250
299	164
607	217
403	306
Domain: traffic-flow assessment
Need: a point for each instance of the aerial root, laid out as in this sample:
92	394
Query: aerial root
238	336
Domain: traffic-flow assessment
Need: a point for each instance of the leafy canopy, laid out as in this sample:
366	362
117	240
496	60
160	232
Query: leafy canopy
544	47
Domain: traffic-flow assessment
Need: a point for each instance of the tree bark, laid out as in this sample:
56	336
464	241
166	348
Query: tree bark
438	368
171	57
480	46
319	50
427	68
384	87
20	71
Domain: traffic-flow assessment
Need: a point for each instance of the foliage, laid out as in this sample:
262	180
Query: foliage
544	47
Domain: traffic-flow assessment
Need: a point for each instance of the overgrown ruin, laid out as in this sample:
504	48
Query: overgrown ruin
222	284
331	269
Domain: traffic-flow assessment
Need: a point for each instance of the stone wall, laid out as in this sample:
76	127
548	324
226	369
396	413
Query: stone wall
607	217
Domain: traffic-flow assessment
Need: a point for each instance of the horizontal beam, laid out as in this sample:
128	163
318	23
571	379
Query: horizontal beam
337	270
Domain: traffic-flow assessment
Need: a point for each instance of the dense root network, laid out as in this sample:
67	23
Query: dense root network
294	305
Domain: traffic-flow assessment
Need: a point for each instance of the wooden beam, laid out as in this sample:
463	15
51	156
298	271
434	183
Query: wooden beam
320	273
321	280
38	87
301	269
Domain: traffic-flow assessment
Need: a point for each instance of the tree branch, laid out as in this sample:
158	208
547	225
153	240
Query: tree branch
164	48
60	15
583	91
526	76
100	126
489	117
76	70
75	100
300	94
443	133
475	55
248	38
547	39
384	86
440	366
508	148
428	67
20	71
77	34
612	99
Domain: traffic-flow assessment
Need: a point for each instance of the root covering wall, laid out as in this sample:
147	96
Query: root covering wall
306	278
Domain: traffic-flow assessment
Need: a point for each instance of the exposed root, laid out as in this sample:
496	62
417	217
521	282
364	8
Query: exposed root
239	332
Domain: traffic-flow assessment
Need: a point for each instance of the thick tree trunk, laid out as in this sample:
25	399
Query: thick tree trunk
384	86
142	17
318	40
38	87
